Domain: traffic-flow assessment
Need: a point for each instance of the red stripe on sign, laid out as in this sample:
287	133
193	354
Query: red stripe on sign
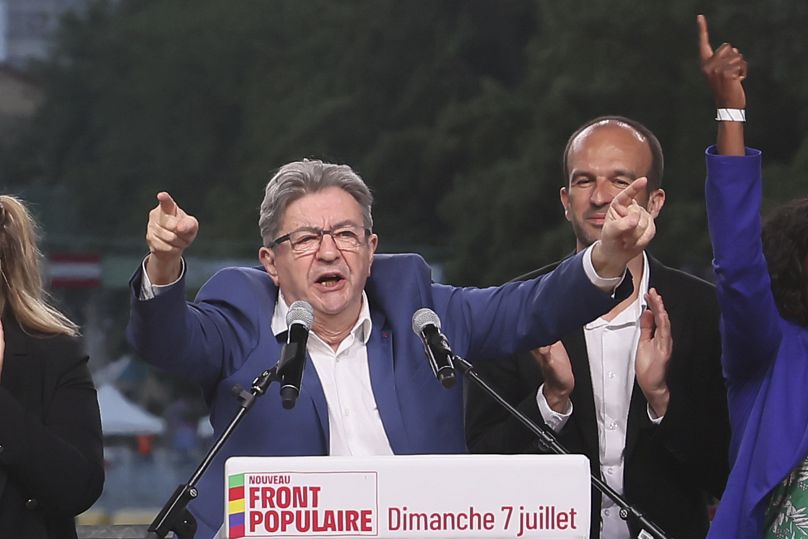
74	270
235	493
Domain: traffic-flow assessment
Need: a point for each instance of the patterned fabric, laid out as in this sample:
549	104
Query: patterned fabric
787	513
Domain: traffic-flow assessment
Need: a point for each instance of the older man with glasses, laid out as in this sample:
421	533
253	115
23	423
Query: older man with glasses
368	390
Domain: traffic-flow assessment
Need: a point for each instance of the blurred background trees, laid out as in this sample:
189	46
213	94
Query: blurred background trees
455	112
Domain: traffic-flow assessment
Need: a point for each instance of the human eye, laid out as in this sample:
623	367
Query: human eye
621	182
347	233
581	181
347	237
304	239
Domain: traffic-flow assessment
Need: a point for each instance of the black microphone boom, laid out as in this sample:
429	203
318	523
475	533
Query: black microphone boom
426	324
293	356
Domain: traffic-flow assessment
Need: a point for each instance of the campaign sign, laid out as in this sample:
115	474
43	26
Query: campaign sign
419	496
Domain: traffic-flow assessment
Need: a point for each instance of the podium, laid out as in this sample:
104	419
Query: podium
418	496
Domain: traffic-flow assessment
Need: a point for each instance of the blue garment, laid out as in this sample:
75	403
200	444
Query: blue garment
764	356
224	338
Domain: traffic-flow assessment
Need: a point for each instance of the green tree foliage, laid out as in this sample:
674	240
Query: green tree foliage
205	98
455	112
637	60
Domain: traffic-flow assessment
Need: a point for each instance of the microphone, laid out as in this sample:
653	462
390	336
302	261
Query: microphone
293	355
426	324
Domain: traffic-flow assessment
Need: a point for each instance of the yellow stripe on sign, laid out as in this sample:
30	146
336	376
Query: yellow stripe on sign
236	506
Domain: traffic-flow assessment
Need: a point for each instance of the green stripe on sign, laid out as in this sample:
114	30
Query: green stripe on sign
236	480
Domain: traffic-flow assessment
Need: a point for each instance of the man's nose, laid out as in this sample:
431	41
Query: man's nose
328	248
602	193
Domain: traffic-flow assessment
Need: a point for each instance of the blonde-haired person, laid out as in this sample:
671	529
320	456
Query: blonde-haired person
51	454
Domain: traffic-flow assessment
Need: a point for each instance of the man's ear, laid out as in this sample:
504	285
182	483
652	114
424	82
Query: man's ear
655	202
267	258
373	243
565	202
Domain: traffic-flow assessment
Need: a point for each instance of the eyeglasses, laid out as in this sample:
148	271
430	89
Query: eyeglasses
307	240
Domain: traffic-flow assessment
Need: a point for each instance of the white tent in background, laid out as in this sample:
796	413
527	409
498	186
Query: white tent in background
121	417
203	428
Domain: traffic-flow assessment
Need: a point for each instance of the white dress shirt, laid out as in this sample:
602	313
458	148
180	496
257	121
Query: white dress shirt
612	350
354	424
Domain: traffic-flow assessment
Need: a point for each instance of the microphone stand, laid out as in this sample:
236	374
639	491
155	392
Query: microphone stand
551	443
174	516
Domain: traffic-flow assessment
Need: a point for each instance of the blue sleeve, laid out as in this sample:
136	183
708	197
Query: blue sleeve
749	316
520	316
204	340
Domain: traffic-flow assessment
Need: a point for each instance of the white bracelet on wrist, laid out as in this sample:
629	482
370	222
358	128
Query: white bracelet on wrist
730	115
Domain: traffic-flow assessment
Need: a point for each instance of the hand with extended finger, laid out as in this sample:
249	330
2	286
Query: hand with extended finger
627	230
724	68
557	372
653	354
169	232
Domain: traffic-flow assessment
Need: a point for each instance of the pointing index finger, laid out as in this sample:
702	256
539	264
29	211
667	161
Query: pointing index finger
628	194
167	204
705	50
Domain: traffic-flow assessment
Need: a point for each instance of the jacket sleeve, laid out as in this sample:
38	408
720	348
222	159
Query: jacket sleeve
57	456
749	316
203	340
489	427
500	321
492	429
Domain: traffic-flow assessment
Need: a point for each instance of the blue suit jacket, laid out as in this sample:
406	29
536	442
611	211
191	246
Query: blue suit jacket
765	357
224	338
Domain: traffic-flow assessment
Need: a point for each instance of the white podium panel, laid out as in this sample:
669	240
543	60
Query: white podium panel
419	496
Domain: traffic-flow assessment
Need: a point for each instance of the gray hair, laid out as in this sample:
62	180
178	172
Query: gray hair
299	178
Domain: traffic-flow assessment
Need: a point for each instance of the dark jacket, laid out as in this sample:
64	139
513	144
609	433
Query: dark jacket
51	454
668	467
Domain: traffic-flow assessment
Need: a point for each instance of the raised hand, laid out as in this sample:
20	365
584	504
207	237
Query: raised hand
557	372
627	230
653	353
724	68
169	232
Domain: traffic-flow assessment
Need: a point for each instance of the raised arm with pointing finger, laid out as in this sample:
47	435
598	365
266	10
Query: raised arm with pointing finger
170	231
761	276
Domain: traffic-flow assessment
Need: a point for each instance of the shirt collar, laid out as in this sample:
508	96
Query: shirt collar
361	329
632	313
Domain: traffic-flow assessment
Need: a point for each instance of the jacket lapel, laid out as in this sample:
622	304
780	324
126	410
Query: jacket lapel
383	382
314	389
310	388
638	407
582	396
637	416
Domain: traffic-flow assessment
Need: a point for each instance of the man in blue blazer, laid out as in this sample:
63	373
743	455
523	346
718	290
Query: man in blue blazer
367	388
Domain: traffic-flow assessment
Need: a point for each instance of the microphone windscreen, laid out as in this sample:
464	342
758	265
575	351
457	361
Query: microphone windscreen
424	317
300	312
